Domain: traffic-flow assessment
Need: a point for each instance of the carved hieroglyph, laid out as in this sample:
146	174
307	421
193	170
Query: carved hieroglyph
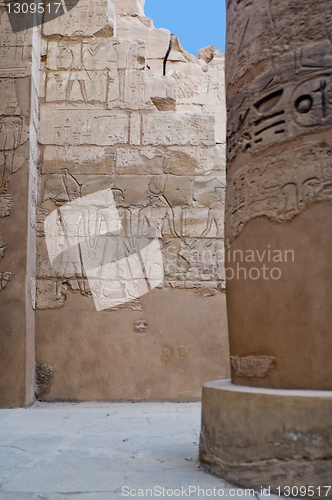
86	19
90	236
259	32
112	122
18	121
4	278
291	98
279	186
15	49
278	196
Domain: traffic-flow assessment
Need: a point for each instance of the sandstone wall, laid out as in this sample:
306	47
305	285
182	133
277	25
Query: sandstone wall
124	110
19	81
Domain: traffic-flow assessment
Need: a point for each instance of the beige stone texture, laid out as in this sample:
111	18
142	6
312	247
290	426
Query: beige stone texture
78	160
18	160
200	84
129	7
105	356
297	337
85	19
263	31
157	41
278	154
111	120
267	437
17	316
16	51
271	426
126	120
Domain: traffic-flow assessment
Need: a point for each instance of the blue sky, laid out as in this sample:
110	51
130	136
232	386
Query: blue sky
197	22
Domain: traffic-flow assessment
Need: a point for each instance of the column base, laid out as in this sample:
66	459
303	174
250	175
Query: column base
269	438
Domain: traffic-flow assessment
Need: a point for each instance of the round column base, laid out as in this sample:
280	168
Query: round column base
269	438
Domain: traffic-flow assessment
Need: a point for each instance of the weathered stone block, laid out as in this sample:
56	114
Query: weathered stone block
86	18
271	437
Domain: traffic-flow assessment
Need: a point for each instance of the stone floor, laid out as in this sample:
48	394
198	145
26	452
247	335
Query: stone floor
91	451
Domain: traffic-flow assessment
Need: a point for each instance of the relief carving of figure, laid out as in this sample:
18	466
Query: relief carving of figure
77	70
122	51
69	263
158	215
215	219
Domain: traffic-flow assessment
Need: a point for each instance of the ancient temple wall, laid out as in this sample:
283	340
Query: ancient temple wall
19	83
110	122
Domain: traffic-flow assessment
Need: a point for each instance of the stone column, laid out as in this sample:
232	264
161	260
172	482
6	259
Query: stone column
19	68
277	430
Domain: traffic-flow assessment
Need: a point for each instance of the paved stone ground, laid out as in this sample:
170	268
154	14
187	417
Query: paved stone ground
90	451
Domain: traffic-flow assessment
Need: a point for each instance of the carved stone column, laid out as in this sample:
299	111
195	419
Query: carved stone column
279	272
19	69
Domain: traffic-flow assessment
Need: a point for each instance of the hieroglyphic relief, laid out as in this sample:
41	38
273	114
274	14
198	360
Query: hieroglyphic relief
169	203
268	112
290	98
12	136
61	188
196	236
130	65
139	161
87	18
172	160
109	125
169	129
78	159
19	68
6	205
4	278
278	187
194	263
8	102
261	31
72	76
15	49
64	126
91	237
110	71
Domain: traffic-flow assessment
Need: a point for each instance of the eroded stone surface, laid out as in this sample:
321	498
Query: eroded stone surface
278	176
4	278
287	100
44	377
288	442
252	366
279	186
85	19
19	81
265	30
126	111
151	159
